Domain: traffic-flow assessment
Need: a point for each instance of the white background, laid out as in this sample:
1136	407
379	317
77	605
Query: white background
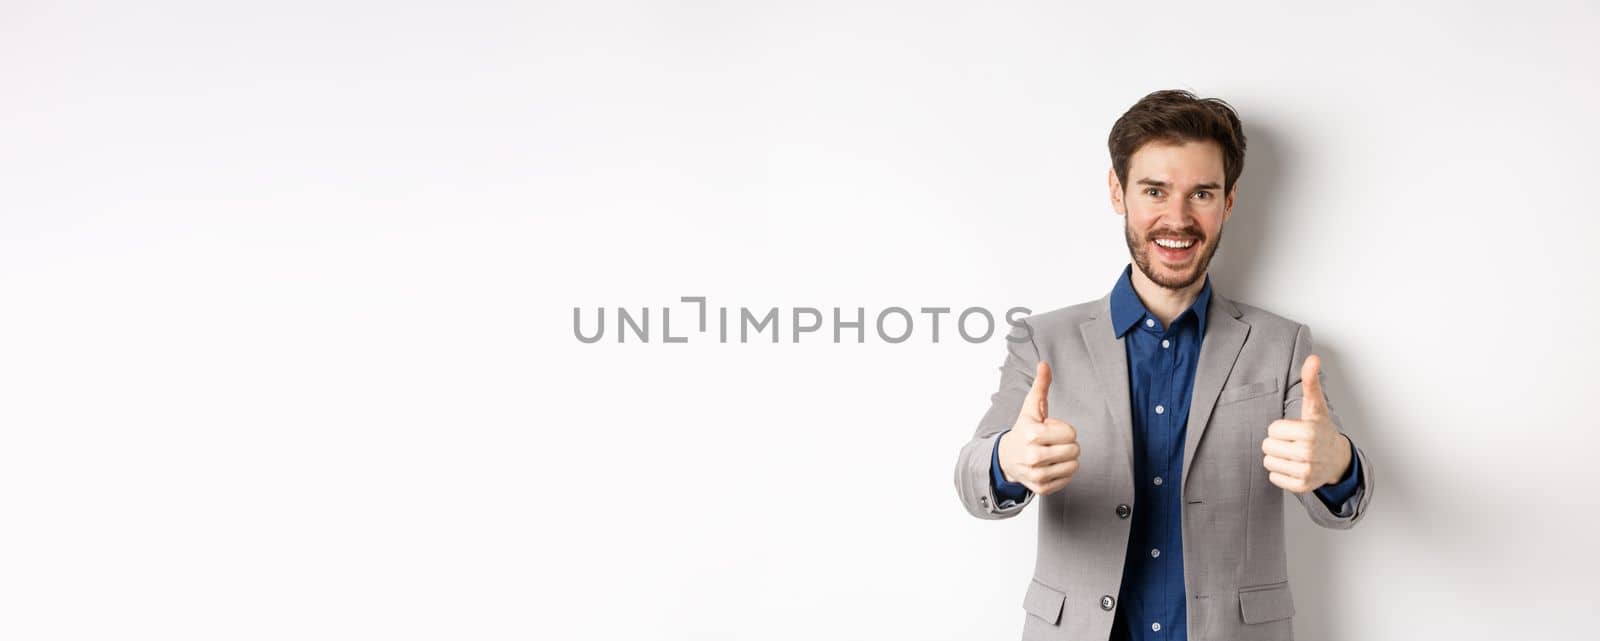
286	298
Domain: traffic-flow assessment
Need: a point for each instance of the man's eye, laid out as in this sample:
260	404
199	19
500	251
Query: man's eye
1152	191
1203	194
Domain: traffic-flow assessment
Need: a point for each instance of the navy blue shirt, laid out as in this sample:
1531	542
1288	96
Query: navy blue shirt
1161	369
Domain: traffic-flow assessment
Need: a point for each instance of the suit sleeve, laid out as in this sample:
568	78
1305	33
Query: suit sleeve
975	463
1355	506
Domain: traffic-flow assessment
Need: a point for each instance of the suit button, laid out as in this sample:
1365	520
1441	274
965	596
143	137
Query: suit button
1123	511
1106	602
984	501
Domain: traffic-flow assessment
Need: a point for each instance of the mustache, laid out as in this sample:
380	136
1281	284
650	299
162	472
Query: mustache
1188	232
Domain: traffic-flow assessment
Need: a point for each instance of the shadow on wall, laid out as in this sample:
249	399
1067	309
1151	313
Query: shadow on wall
1247	237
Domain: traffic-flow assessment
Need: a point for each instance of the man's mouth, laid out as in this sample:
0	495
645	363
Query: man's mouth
1175	250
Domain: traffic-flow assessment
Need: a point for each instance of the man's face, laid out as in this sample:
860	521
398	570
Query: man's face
1173	197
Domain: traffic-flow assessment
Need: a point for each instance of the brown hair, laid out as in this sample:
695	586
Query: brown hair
1177	116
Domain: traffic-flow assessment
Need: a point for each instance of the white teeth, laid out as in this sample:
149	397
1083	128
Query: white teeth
1174	244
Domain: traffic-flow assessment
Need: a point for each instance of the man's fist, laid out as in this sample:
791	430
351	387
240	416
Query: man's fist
1039	452
1304	455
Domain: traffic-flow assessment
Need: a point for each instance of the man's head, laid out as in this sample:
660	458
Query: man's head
1175	162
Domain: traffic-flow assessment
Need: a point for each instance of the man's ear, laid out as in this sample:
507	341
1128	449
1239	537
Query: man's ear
1116	192
1228	205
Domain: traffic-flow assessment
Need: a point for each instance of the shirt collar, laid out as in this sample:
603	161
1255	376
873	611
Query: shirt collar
1127	309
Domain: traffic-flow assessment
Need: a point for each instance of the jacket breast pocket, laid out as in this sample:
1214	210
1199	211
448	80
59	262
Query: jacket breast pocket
1248	391
1239	424
1044	602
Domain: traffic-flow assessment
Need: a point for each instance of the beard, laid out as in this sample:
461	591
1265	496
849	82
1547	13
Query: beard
1139	248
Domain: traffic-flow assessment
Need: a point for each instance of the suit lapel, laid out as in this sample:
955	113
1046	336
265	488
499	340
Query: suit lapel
1225	335
1111	371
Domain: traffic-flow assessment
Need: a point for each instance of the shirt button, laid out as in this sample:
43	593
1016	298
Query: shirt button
1161	410
1155	553
1156	627
1106	602
1158	480
1149	322
1165	343
1123	511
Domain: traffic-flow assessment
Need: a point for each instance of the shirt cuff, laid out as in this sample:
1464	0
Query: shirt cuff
1006	493
1335	494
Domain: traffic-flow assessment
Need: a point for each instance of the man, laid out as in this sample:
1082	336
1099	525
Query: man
1159	425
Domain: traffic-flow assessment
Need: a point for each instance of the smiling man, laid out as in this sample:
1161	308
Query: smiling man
1159	425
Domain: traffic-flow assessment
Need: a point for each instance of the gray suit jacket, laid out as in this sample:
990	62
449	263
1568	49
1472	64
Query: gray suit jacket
1235	571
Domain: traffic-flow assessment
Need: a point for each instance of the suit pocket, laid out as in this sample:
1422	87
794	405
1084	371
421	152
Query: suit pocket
1248	390
1044	602
1262	603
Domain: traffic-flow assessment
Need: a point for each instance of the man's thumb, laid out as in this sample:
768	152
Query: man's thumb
1312	403
1037	405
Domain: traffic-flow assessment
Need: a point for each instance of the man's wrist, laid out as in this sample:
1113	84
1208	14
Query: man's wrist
1349	462
1004	488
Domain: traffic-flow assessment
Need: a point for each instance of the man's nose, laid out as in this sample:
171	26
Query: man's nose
1179	214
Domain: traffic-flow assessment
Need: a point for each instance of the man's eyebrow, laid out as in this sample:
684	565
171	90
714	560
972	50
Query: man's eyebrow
1162	183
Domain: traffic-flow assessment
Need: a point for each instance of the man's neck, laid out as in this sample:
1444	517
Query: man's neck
1165	303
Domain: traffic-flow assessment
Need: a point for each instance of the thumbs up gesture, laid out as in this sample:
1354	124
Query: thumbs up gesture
1303	455
1039	452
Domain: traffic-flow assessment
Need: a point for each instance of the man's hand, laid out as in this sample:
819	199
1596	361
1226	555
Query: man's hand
1304	455
1039	452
